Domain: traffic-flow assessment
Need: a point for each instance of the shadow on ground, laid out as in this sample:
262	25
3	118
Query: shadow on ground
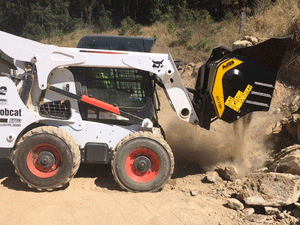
102	173
9	178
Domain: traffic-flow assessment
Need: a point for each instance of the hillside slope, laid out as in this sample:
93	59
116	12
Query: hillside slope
193	41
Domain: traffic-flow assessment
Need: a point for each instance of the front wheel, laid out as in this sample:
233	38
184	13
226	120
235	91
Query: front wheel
142	162
46	158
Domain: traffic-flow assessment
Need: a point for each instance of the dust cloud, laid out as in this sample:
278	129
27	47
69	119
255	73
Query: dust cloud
242	144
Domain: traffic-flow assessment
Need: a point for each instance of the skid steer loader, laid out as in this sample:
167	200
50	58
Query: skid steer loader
97	103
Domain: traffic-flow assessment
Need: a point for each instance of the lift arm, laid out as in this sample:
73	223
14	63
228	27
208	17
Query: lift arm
48	57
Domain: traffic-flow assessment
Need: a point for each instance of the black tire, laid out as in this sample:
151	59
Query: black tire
46	158
142	162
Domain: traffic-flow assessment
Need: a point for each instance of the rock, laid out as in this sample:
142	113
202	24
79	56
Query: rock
269	130
193	193
277	129
289	162
225	192
296	213
284	120
294	108
282	215
260	39
272	210
263	169
292	129
192	64
296	118
213	177
296	100
235	204
298	132
248	211
257	218
297	204
241	44
253	40
278	110
270	189
227	173
295	103
293	220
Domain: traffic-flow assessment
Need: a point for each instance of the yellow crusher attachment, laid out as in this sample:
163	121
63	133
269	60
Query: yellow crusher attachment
234	83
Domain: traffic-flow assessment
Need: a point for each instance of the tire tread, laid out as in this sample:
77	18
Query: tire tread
66	137
144	134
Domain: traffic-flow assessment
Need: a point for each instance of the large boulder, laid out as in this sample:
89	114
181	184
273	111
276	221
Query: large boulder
227	173
253	40
213	177
246	42
241	44
288	161
270	189
235	204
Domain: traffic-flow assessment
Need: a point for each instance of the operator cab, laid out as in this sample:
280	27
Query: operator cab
131	90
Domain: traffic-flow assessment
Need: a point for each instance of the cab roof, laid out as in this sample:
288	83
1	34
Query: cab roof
121	43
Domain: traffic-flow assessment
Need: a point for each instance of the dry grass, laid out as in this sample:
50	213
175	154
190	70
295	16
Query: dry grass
210	36
276	20
72	39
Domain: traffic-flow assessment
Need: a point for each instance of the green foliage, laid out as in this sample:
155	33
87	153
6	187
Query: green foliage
128	26
229	16
156	15
260	5
205	18
184	36
104	23
168	15
47	18
204	45
186	16
171	27
42	18
34	32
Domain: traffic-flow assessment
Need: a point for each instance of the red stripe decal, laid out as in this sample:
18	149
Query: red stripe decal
103	52
100	104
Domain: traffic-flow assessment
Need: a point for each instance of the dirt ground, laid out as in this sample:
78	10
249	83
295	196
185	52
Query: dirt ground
93	197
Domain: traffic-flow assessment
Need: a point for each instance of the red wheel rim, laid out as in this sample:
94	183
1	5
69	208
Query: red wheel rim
36	168
136	175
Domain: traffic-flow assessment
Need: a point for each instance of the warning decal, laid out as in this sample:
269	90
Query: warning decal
239	99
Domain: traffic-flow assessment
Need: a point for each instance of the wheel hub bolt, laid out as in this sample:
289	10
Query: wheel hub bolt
142	164
46	159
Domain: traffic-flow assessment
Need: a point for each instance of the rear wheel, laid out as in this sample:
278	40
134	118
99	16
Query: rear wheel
46	158
142	162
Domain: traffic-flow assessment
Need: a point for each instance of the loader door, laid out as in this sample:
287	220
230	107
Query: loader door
129	89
